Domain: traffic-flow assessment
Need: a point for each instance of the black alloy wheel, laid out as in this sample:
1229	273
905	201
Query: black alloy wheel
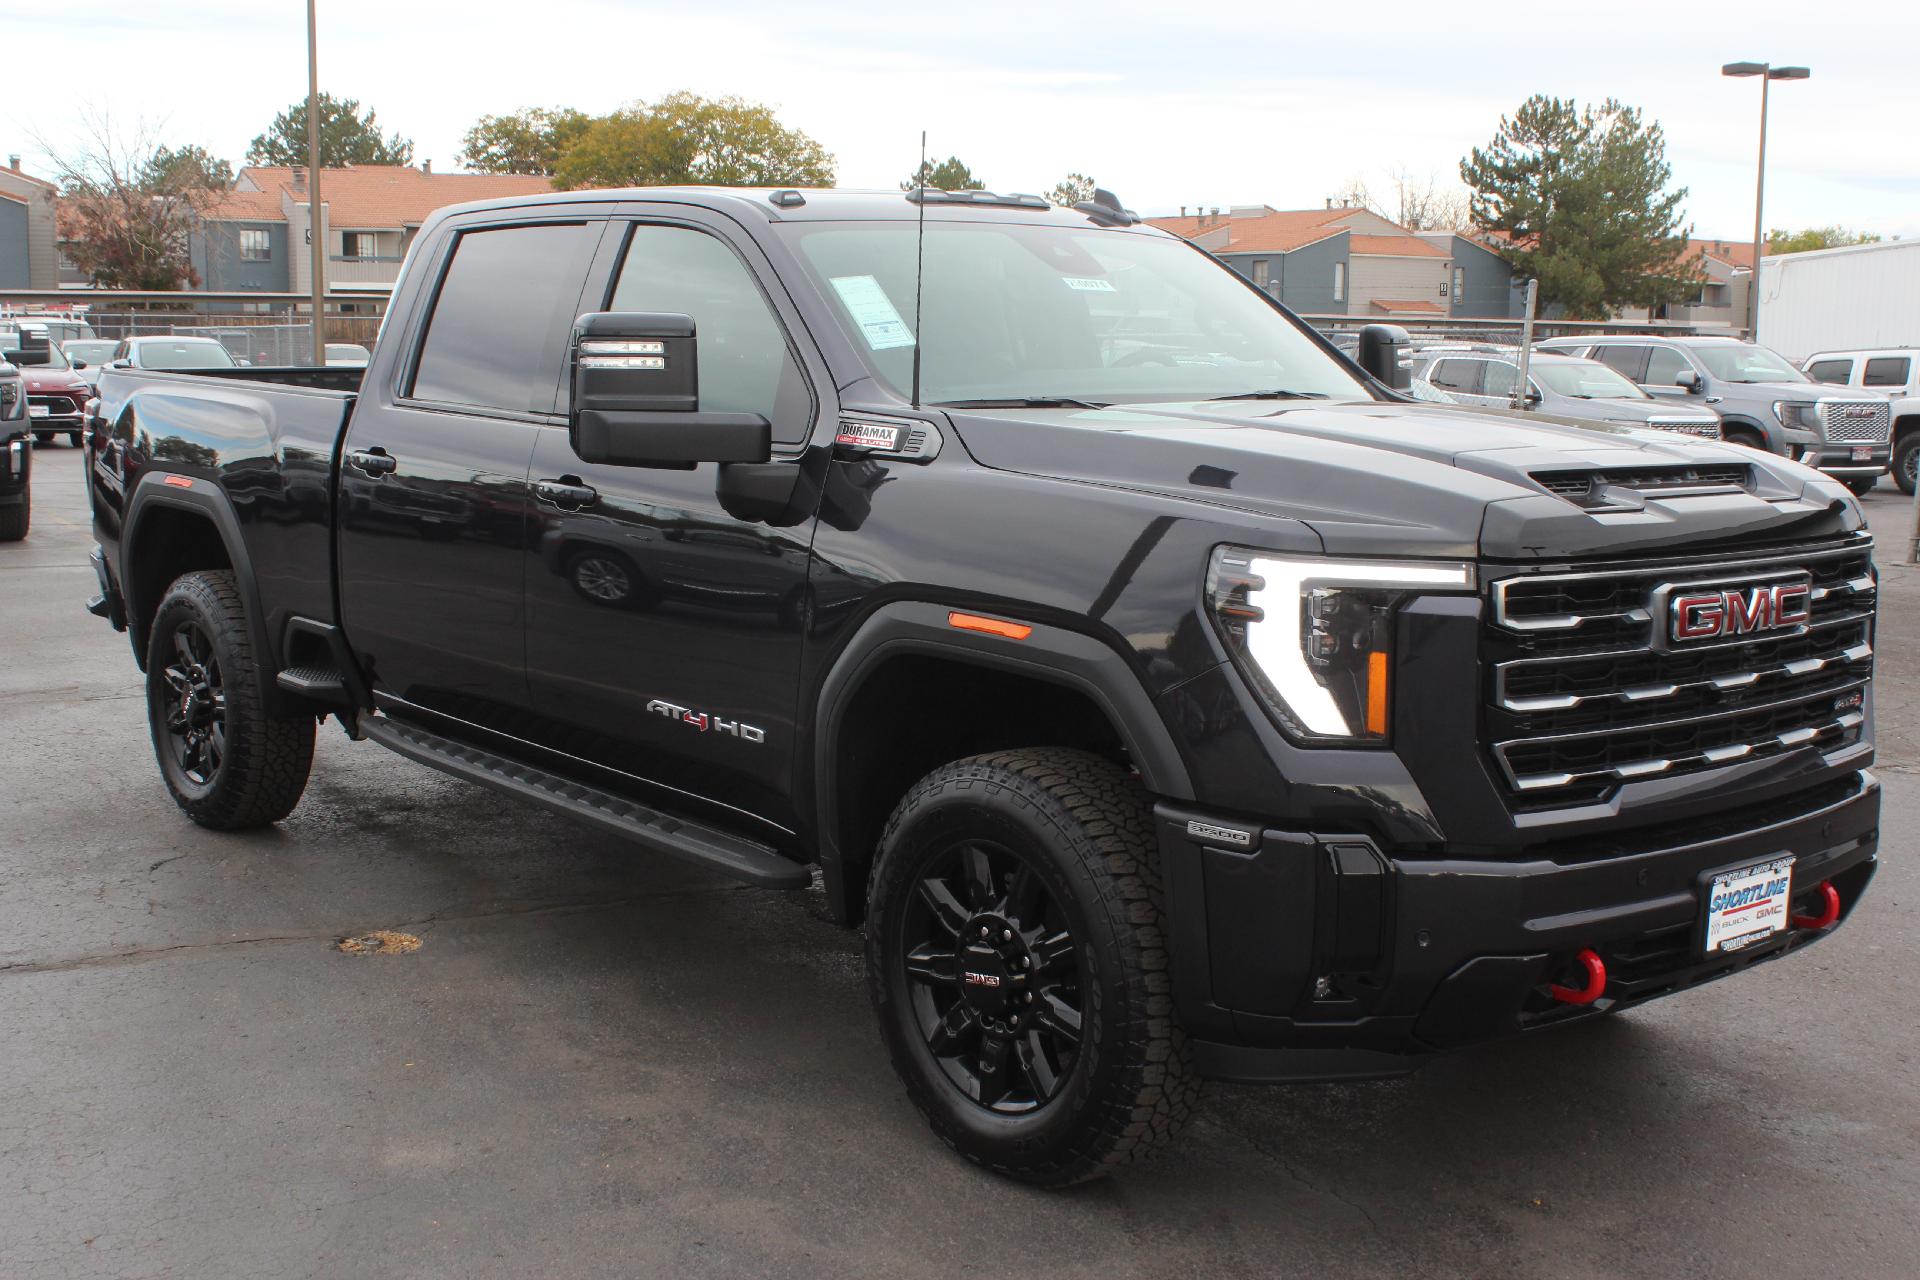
994	978
196	716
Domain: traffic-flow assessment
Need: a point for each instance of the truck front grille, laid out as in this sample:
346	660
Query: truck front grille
1586	690
1857	421
1705	428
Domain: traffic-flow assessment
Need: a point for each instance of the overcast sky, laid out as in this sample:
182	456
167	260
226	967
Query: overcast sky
1227	102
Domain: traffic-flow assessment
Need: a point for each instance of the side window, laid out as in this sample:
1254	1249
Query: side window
497	338
1502	378
746	365
1628	362
1664	364
1457	375
1837	372
1887	371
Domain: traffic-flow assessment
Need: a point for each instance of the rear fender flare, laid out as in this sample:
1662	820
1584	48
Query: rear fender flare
206	499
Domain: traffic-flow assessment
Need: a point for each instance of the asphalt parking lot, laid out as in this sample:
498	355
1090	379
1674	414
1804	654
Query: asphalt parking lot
599	1065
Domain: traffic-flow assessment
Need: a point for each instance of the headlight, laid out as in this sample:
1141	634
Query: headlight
1801	414
1316	636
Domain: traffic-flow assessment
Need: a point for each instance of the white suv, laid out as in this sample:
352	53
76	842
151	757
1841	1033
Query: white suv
1893	371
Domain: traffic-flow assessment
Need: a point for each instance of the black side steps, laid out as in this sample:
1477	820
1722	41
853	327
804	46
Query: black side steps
746	860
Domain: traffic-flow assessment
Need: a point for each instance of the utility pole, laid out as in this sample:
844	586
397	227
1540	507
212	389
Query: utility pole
1519	400
316	229
1767	73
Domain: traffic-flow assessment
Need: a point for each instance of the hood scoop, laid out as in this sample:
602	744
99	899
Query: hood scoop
1630	486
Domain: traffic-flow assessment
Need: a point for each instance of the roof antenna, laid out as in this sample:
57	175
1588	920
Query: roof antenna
919	263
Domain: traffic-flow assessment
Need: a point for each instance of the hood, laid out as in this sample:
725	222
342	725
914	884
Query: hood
1784	390
1623	409
1394	478
40	377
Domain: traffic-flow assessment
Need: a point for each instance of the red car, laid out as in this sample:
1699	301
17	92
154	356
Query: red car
56	395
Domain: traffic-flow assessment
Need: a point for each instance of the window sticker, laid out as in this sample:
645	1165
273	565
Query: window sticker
1088	284
873	311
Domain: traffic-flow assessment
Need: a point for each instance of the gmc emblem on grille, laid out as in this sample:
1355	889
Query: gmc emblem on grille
1859	411
1711	611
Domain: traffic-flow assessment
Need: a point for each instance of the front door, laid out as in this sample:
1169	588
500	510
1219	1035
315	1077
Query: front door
433	499
663	633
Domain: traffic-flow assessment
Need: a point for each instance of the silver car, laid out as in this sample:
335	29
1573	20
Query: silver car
1564	386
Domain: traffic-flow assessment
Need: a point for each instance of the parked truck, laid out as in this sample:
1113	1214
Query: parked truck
1166	695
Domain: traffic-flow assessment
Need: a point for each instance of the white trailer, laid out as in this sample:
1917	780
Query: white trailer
1865	295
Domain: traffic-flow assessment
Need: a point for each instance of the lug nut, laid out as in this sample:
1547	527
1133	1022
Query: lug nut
983	931
1006	935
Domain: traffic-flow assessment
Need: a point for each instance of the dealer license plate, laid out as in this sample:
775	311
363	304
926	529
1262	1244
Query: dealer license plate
38	411
1748	905
1863	453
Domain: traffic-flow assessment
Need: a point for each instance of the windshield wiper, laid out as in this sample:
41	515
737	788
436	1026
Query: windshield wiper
1280	394
1021	402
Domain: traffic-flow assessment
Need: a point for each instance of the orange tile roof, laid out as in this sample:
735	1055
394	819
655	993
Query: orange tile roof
1284	230
1407	246
1277	232
371	195
1418	306
1734	255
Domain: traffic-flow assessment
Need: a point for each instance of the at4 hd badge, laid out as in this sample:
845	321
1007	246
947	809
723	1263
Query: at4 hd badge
705	722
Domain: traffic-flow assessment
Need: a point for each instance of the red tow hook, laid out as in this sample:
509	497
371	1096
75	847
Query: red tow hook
1596	970
1829	909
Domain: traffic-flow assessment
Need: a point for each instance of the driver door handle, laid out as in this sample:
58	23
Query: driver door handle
375	462
567	491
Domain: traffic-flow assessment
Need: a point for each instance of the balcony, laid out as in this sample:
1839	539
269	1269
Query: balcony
344	269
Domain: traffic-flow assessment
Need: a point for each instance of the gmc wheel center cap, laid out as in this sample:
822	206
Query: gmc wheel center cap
985	981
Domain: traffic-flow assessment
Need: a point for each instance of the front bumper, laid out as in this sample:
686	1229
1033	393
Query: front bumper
1324	943
1839	460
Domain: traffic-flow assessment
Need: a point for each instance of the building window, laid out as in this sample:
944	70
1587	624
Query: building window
358	244
1260	272
1339	282
256	245
1459	284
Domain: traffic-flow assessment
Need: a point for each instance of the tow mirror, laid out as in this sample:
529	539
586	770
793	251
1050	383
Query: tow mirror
636	397
34	350
1688	379
1382	348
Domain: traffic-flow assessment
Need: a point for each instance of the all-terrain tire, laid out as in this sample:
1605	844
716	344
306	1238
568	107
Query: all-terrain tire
202	671
1084	826
1906	462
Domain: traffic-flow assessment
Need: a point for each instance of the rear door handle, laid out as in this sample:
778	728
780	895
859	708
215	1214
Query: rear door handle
375	462
567	491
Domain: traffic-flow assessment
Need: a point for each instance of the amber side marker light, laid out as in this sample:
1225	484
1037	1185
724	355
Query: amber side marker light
991	626
1377	694
179	482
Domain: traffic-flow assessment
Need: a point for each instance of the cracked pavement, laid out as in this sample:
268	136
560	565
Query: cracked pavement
603	1064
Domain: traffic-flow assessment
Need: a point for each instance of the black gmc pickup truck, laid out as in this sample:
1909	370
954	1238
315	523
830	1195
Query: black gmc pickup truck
1168	695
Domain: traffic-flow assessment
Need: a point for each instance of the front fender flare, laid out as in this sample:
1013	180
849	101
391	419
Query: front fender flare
1058	655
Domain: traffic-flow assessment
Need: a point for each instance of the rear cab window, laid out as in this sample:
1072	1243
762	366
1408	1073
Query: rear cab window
497	336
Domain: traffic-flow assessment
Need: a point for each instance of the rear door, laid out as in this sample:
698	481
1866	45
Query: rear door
1629	361
433	496
664	633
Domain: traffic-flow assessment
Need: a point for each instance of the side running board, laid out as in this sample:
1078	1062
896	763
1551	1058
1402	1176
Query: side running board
747	860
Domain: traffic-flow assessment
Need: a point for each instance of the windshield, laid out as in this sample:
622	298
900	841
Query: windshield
91	350
181	354
1744	362
1016	311
1585	381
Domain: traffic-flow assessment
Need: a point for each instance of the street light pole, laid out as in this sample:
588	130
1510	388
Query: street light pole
316	231
1767	73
